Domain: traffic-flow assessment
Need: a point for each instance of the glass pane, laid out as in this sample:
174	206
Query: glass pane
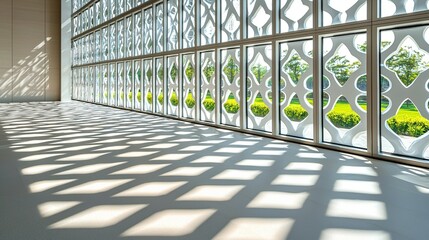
85	84
404	91
148	42
97	46
130	4
97	13
230	15
129	32
75	26
296	89
121	82
105	85
188	23
159	35
172	25
295	15
396	7
98	79
112	9
340	11
112	41
129	85
137	85
208	86
344	90
259	88
230	86
159	85
105	11
105	44
188	86
259	18
148	85
138	34
113	84
91	17
208	22
121	6
121	39
173	85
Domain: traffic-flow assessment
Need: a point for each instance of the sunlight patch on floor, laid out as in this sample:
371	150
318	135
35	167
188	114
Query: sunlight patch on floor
170	223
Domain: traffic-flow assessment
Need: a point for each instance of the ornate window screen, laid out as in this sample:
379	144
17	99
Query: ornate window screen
404	90
311	87
258	86
230	16
188	86
173	85
208	86
295	15
296	88
344	102
230	87
208	22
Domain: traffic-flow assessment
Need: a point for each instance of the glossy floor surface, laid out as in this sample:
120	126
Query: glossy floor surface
80	171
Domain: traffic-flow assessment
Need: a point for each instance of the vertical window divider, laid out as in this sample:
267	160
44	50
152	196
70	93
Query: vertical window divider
218	97
370	90
180	88
274	71
179	26
317	89
197	24
197	86
374	48
164	81
243	90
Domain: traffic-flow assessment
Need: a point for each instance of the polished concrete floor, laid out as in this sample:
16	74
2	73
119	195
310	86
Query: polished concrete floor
80	171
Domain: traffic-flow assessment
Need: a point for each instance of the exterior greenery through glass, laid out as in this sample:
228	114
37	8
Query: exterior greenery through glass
338	74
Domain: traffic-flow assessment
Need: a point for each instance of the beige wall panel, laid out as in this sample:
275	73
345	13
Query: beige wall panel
29	55
5	84
6	34
53	32
53	86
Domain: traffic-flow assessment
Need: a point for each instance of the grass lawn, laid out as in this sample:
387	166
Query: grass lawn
404	112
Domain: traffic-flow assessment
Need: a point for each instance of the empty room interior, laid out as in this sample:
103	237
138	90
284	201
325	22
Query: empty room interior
214	119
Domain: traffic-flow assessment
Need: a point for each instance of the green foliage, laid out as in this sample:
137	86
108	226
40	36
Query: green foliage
173	72
408	126
122	95
295	67
139	74
113	93
259	109
139	96
295	112
160	73
342	68
161	98
209	71
174	100
231	69
130	96
149	73
259	71
408	64
190	100
189	71
105	94
209	104
342	119
231	106
149	97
